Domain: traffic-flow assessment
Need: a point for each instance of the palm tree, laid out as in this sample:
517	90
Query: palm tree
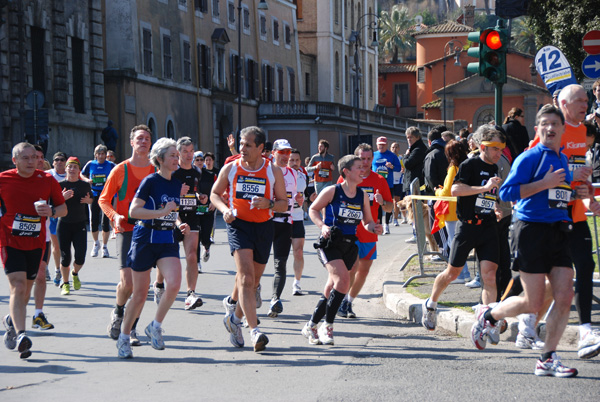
394	35
524	37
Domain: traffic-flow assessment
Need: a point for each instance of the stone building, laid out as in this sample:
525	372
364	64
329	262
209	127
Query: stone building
173	65
55	48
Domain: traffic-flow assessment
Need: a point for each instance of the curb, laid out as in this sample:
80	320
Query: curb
456	321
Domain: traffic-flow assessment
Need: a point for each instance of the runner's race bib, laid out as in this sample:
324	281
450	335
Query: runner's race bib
382	169
247	187
202	209
485	204
98	180
166	222
29	226
188	203
370	192
324	173
559	197
576	162
350	214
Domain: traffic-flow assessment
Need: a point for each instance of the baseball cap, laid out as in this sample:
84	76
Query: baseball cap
73	159
280	145
382	140
198	154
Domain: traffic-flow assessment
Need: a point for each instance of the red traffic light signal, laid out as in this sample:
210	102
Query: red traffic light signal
493	40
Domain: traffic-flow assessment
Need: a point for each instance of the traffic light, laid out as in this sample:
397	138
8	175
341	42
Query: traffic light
491	52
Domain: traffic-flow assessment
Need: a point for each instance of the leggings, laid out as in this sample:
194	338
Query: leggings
580	244
71	234
282	243
206	227
97	214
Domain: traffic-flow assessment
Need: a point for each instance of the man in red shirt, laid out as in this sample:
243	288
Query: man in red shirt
381	201
28	197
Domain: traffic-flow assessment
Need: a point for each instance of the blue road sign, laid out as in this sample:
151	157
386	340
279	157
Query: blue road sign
591	66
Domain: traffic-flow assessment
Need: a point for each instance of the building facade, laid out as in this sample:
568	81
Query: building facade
55	49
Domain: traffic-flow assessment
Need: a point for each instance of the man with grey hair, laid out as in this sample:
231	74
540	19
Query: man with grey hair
29	197
476	186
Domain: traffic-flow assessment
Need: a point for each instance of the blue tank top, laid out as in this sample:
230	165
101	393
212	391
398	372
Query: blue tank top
345	212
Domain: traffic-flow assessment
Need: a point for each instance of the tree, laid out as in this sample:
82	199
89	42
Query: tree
394	32
562	24
523	35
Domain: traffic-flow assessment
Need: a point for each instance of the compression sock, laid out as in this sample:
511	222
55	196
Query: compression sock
488	316
320	310
333	305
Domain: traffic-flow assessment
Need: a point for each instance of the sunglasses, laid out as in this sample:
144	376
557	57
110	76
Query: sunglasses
285	151
60	160
199	159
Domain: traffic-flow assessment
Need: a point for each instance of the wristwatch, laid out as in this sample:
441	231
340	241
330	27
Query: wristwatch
53	211
271	204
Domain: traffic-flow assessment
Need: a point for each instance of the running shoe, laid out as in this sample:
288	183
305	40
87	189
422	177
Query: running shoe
396	222
158	292
474	284
411	240
48	277
343	310
66	289
311	333
350	313
113	234
458	281
429	319
229	307
155	335
526	325
554	368
206	254
259	340
235	331
258	298
192	301
10	336
482	330
41	322
386	229
199	267
133	338
404	221
297	290
275	308
57	278
105	253
326	334
529	342
24	346
76	281
589	346
95	250
124	349
114	328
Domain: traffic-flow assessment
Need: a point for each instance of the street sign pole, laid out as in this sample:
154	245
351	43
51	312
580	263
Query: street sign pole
498	106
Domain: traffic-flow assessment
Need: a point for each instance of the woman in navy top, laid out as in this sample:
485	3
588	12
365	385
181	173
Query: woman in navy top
345	207
155	205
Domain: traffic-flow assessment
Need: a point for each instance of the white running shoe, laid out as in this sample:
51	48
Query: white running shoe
386	229
297	290
124	349
396	222
259	340
589	346
229	307
429	318
310	332
155	335
235	331
158	292
527	342
206	254
105	253
95	250
199	267
326	334
411	240
192	301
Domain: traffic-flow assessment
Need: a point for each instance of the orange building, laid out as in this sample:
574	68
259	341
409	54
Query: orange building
468	97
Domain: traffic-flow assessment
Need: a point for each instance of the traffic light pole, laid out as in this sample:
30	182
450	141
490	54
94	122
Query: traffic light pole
498	106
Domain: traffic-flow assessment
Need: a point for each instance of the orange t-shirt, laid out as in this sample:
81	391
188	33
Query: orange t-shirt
574	147
123	181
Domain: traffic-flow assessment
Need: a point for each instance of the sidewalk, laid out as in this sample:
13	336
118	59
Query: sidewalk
454	320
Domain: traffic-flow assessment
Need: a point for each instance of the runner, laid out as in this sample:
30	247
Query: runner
153	243
25	193
322	166
59	173
380	200
345	207
476	187
256	190
124	181
71	228
386	163
96	171
282	224
539	182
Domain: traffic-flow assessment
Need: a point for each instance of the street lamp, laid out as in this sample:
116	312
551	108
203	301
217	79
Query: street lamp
453	46
355	40
262	5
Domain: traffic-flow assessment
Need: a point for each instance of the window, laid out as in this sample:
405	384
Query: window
402	98
201	5
220	65
336	71
307	84
182	5
292	84
37	59
275	31
170	129
167	62
421	74
187	62
263	27
231	14
152	127
77	71
371	85
336	11
346	74
215	9
235	67
204	66
246	14
287	35
268	74
147	43
280	84
252	79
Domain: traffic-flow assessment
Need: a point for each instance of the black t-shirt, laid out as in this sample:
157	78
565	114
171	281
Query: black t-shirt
76	209
200	182
475	172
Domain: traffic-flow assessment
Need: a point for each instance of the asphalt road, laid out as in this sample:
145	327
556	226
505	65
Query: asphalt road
376	356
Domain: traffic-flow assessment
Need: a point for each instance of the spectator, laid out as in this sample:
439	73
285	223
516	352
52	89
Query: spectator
435	163
385	163
110	136
515	130
415	155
